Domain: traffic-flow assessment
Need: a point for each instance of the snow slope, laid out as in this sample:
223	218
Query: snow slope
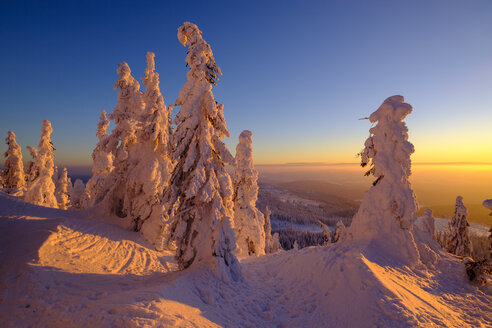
75	269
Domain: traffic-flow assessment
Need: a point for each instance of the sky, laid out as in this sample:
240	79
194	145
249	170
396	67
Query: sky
298	74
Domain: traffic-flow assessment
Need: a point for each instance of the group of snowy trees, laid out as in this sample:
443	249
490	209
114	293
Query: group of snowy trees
38	181
169	184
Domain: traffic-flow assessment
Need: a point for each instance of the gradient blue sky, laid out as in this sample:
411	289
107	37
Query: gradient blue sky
298	74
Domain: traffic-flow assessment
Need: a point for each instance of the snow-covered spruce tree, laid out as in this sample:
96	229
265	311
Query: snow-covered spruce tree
61	191
102	164
388	210
41	189
326	232
458	242
13	173
150	175
30	170
122	142
199	199
340	232
249	222
78	195
428	222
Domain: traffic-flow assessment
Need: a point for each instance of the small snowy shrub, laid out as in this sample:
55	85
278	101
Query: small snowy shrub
272	242
458	242
61	191
78	195
340	232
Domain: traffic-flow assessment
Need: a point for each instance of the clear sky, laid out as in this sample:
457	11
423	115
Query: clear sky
298	74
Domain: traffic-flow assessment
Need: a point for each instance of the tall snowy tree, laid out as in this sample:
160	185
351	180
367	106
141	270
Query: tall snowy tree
389	208
13	173
200	196
102	165
132	165
122	142
61	190
458	239
152	170
249	222
41	190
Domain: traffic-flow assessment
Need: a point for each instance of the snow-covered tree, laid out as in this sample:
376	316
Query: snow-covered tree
102	165
13	173
249	222
272	242
458	239
78	195
121	143
41	189
30	170
389	208
340	232
428	222
132	165
152	171
488	204
326	232
61	191
200	208
55	175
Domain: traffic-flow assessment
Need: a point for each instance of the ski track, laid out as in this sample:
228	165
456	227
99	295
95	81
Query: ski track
60	269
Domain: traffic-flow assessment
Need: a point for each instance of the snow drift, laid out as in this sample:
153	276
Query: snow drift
74	269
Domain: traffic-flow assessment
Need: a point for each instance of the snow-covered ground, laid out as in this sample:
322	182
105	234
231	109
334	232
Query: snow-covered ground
76	269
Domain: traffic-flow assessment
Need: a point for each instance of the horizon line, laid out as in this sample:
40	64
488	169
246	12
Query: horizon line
306	164
357	163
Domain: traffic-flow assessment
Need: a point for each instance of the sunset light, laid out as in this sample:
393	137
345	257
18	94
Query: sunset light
246	163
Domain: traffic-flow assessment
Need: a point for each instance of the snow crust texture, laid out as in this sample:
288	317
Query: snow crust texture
71	269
